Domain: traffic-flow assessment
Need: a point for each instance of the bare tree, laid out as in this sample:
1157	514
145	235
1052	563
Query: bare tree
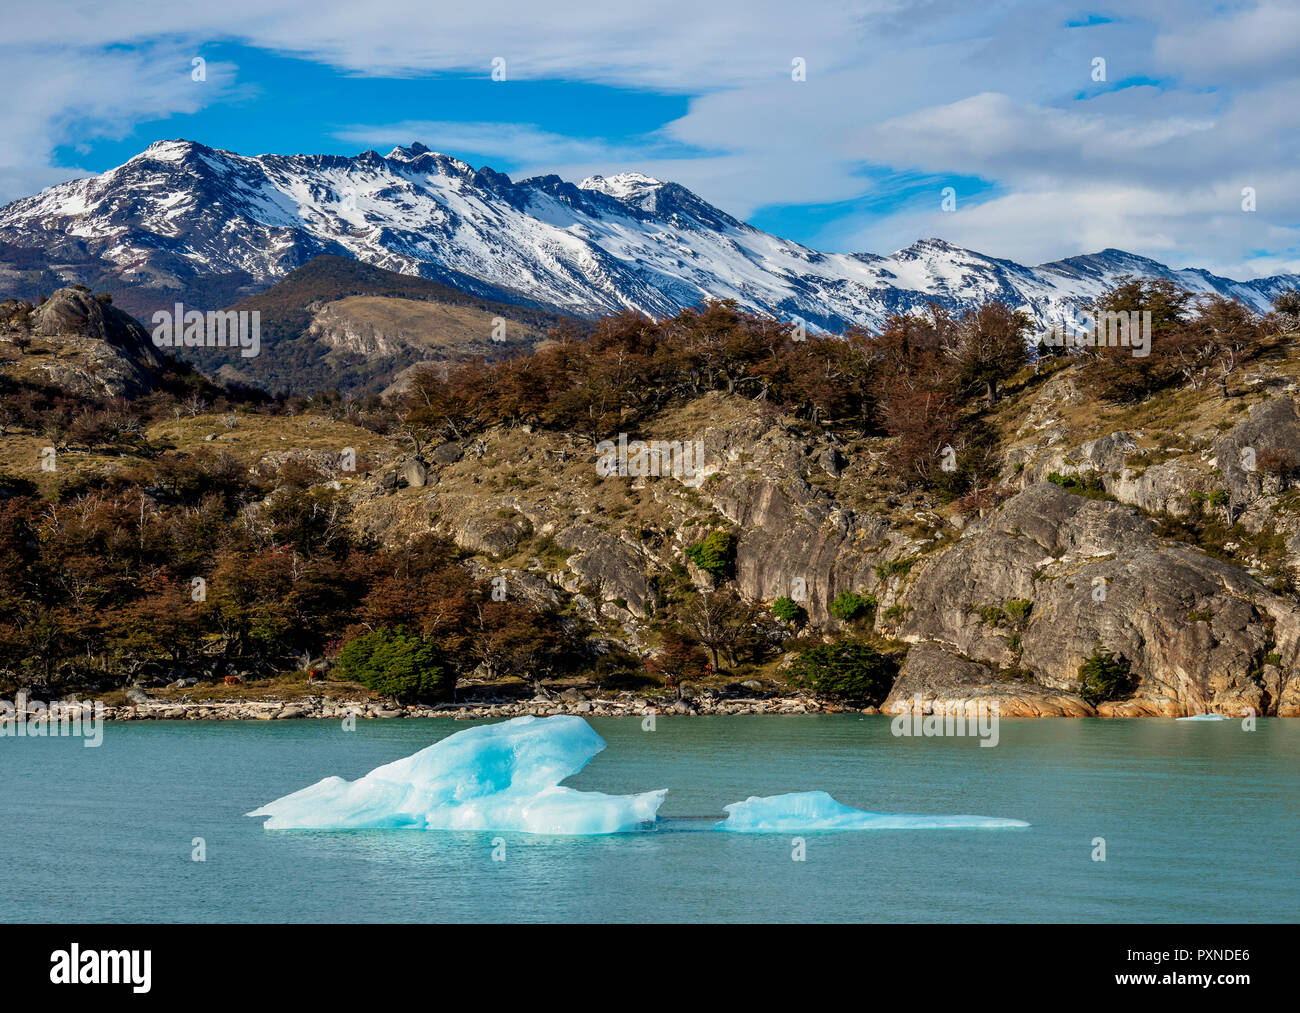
720	620
988	346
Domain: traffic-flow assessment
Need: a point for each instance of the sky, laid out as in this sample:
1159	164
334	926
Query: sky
1053	129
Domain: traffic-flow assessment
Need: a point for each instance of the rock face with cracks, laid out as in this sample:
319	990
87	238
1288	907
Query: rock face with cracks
1199	633
1003	607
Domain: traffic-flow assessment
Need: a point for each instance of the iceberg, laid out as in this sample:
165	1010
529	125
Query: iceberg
1203	717
502	776
506	777
811	811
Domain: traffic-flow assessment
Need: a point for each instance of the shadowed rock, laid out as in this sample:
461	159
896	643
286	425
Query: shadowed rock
1196	630
945	682
112	355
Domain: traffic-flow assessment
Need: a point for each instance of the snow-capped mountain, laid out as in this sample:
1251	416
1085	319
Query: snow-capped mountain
180	211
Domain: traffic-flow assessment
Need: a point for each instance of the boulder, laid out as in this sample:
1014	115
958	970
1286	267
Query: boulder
108	353
497	536
1196	631
832	462
1270	426
934	678
415	473
447	453
610	564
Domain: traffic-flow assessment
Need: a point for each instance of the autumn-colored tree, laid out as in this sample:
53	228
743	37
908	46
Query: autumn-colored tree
513	639
165	622
987	346
927	424
249	593
1228	333
679	658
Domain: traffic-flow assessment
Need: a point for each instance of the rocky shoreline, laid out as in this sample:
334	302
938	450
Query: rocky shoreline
331	709
621	705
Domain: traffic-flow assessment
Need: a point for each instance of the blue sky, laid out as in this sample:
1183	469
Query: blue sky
1001	101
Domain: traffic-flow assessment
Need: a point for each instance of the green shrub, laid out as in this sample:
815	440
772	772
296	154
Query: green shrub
849	605
397	663
1105	677
789	611
886	570
1089	485
854	672
715	555
1018	610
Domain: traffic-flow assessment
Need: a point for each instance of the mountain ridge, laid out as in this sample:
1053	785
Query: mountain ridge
180	216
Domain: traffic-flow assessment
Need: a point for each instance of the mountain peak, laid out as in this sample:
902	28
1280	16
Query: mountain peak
185	215
623	185
400	154
931	244
170	151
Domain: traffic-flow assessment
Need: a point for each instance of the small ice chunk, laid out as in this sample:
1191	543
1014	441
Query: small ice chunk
1203	717
808	811
503	776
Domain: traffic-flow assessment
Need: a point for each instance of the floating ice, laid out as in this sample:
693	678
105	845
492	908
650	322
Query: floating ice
1203	717
502	776
507	776
808	811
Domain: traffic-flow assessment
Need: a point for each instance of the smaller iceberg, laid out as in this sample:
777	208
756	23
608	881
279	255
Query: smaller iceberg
502	776
1203	717
810	811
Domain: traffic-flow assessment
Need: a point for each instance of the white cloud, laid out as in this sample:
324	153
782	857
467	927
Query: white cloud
1255	40
55	96
930	88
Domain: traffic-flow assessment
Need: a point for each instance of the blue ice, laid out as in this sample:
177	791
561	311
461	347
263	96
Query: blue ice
809	811
507	776
502	776
1203	717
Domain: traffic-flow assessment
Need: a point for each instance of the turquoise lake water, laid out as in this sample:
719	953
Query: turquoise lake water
1200	822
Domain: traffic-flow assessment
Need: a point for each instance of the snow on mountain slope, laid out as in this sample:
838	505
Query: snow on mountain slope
180	209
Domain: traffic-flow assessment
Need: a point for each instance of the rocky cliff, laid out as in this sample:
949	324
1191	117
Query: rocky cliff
85	346
1006	606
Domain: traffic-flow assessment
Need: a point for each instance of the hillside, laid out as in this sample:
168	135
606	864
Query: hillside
336	323
1115	536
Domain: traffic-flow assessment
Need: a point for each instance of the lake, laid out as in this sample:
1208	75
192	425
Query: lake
1199	822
